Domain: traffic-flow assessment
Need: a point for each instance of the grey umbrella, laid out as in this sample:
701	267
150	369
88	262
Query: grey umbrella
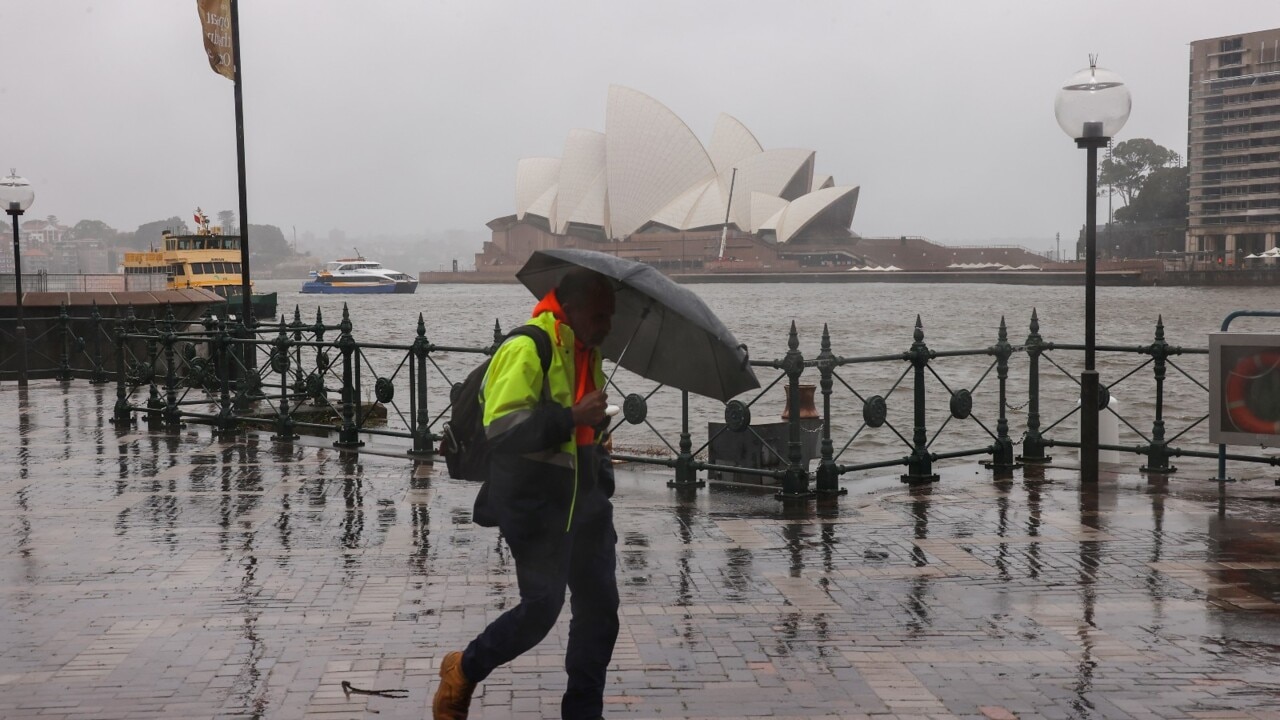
661	331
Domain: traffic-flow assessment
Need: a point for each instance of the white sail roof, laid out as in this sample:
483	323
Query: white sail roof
835	204
731	142
533	177
653	157
581	168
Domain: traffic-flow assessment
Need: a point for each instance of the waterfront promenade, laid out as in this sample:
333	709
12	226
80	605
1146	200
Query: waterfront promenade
148	575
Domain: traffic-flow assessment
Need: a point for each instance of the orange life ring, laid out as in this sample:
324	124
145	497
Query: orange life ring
1248	369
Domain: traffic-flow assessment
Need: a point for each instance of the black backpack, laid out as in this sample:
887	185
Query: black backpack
464	445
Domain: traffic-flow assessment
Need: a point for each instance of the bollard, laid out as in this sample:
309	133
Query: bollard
919	463
348	434
1033	444
795	482
1002	451
828	472
1158	451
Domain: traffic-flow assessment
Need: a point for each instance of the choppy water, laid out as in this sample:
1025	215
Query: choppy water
865	320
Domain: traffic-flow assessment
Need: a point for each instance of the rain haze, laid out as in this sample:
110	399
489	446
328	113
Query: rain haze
408	118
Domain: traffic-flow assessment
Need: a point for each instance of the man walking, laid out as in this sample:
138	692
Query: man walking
549	489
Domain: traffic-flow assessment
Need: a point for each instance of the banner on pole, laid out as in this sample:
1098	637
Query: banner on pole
215	21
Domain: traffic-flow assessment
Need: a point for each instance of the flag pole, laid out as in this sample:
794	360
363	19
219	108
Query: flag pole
245	291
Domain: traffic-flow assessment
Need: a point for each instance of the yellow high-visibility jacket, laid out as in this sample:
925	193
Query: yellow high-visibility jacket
537	471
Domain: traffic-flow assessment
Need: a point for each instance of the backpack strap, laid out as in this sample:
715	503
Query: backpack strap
542	341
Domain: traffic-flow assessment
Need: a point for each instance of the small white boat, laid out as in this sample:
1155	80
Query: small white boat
358	275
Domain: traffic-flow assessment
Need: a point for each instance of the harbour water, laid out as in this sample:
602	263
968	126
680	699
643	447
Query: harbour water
867	320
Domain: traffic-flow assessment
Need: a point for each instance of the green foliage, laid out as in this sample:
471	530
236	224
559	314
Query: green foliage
150	234
93	230
1129	165
1163	196
268	241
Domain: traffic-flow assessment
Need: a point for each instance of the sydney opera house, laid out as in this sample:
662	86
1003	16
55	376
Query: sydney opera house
647	189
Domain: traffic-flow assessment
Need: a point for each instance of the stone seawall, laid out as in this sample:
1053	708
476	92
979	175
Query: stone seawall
1108	278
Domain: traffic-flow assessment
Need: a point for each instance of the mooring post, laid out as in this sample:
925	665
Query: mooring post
1033	443
423	442
1158	452
919	463
1002	451
828	472
795	482
348	434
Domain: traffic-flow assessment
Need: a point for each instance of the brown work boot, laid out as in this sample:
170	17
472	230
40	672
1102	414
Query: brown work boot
453	697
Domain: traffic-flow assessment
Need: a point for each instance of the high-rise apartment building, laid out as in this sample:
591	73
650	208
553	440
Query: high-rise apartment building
1233	146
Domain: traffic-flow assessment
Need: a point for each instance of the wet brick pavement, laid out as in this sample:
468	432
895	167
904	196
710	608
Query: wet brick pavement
178	576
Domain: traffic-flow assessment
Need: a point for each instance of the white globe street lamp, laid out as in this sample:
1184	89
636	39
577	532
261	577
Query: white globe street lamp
16	196
1091	107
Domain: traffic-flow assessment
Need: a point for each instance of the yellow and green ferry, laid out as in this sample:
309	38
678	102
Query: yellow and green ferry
208	260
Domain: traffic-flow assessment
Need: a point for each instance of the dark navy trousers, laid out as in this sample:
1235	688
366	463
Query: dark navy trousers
584	561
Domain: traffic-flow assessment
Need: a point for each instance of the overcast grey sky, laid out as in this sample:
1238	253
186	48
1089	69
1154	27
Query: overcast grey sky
391	116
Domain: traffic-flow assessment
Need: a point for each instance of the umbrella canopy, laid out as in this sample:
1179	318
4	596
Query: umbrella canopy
674	337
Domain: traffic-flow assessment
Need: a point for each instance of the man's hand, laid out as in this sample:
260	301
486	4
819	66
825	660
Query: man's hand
590	409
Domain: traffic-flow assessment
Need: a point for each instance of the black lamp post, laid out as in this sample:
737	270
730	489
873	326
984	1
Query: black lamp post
16	196
1091	107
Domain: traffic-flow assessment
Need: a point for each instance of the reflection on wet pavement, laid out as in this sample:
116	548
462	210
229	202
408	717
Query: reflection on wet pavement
177	575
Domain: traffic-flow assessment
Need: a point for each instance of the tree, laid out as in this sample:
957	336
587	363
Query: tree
93	230
227	219
1163	196
268	241
150	234
1129	165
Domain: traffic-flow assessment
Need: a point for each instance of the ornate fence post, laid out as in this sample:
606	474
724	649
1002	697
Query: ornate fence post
1158	452
1002	451
226	422
280	365
686	473
64	363
828	472
121	416
155	405
919	463
172	418
795	483
348	434
98	376
1033	443
423	442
